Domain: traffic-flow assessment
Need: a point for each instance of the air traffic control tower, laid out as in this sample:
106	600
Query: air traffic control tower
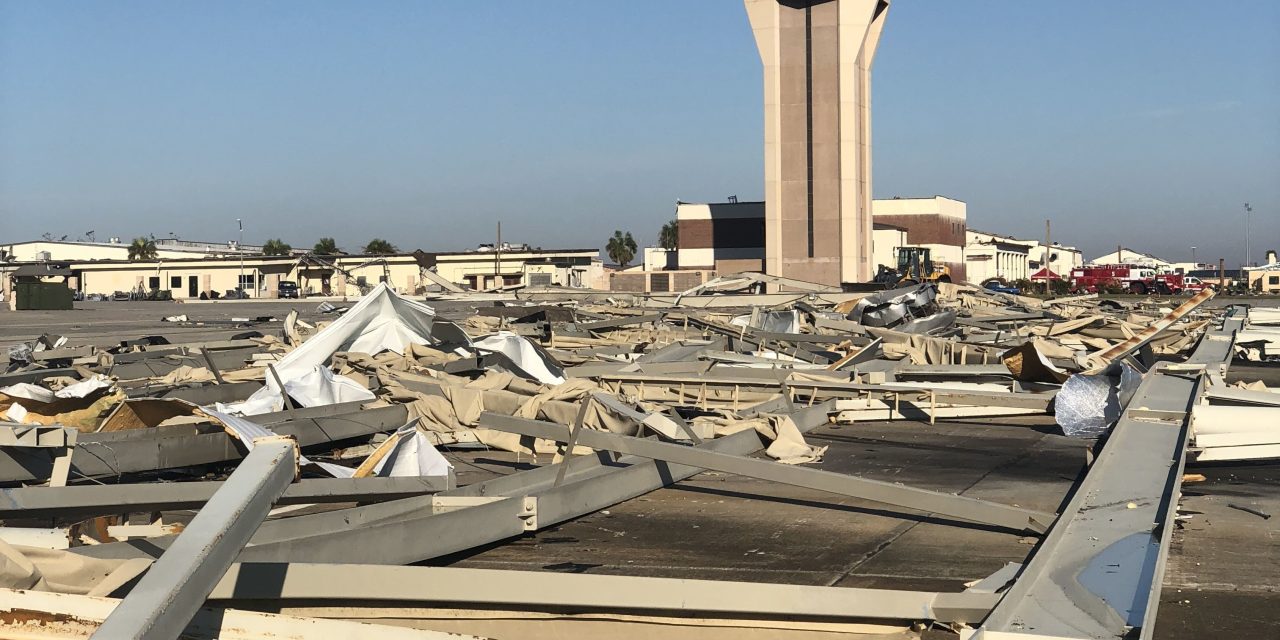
817	58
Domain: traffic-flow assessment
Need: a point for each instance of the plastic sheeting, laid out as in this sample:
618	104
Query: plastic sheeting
523	354
413	455
381	321
1088	404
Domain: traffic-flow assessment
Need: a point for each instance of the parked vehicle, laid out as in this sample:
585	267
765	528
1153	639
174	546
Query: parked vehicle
1132	278
1000	287
288	289
915	265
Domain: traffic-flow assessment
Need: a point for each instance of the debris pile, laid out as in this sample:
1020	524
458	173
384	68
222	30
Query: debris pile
149	479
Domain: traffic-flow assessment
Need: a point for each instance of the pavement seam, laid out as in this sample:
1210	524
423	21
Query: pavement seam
866	557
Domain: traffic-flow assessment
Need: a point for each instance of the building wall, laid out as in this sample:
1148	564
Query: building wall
723	237
64	251
935	220
817	58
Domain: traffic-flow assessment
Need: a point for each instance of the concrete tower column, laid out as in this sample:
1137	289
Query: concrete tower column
817	57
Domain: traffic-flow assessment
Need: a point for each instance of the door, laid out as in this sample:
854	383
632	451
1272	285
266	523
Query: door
193	286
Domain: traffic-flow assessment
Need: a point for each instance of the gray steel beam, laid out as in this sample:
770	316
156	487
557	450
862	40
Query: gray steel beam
1098	572
408	531
165	599
836	389
101	499
138	450
278	582
944	504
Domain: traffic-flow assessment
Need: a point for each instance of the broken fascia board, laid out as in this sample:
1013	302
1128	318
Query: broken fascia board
39	614
381	321
408	531
280	583
1098	361
82	501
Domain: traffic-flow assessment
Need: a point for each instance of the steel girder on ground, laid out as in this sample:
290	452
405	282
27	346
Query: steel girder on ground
163	602
942	504
104	499
415	529
1098	572
280	583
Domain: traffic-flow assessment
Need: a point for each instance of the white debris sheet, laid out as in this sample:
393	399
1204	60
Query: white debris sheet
381	321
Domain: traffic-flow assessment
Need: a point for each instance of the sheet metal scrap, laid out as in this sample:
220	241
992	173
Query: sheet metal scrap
671	385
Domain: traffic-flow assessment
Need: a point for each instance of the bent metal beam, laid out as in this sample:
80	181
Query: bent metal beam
944	504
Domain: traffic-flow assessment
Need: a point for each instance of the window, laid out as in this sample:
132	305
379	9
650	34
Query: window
1273	280
175	282
246	281
153	282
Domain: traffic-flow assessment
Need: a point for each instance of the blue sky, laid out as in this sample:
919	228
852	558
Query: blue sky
1147	124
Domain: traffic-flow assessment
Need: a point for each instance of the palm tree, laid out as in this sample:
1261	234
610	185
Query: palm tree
669	237
326	247
142	249
378	246
621	248
276	247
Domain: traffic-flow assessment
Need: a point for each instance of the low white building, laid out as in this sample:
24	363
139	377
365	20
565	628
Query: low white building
116	249
990	256
1125	255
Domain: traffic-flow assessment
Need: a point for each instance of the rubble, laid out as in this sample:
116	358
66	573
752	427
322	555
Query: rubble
600	402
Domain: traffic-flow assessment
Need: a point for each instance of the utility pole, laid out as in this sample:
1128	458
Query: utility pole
1248	262
240	250
1048	262
1222	275
497	258
1195	265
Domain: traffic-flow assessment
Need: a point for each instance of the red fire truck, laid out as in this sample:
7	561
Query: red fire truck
1134	278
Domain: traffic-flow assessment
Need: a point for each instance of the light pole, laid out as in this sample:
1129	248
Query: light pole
1247	210
1193	258
240	250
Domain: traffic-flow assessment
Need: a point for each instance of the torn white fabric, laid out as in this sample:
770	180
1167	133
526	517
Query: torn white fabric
38	393
412	456
523	354
248	431
381	321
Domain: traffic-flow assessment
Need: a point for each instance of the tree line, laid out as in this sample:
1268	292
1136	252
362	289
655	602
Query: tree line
144	248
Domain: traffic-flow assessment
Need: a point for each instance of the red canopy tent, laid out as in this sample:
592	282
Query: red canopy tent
1041	275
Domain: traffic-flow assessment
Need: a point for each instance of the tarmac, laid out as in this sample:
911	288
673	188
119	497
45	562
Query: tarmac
1221	580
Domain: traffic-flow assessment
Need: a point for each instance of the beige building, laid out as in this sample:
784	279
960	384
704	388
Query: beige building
817	57
937	223
993	256
70	250
344	275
